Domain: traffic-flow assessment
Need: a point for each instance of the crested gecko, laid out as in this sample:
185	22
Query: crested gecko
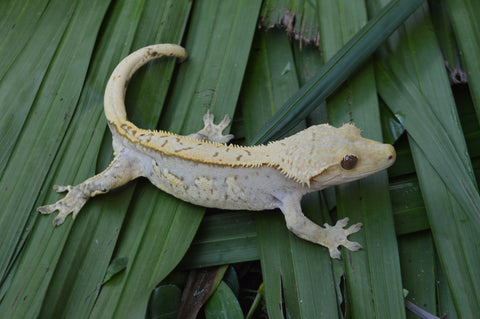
202	169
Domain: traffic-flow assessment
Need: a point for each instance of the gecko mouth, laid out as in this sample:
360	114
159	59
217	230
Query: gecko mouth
345	178
362	175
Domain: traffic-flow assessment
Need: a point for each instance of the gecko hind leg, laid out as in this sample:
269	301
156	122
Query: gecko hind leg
213	132
121	170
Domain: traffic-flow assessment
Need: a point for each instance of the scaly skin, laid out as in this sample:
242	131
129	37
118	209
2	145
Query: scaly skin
200	168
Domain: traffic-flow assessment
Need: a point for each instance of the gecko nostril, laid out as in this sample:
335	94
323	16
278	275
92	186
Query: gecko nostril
390	157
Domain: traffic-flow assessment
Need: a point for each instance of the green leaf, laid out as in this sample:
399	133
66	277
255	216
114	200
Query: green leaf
408	207
419	269
116	266
223	238
32	61
223	304
164	302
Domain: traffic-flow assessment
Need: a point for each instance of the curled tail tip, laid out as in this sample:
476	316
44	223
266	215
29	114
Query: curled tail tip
167	49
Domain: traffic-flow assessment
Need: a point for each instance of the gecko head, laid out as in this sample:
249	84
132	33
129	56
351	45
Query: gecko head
323	155
350	156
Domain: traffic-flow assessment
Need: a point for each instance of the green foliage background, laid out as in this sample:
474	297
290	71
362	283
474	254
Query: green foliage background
421	219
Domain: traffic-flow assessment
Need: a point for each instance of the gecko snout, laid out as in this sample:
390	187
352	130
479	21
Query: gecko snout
391	154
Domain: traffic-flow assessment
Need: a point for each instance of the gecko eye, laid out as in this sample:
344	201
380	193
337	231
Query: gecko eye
349	162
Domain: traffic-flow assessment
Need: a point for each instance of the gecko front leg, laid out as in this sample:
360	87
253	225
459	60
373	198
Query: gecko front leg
213	132
330	236
121	170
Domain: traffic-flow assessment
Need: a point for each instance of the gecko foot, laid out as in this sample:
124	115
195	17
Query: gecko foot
337	236
70	204
213	132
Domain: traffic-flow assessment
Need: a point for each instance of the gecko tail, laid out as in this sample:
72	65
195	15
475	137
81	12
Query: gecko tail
114	99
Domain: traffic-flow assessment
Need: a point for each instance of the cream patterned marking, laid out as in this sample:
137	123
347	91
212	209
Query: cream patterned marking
233	188
173	179
204	184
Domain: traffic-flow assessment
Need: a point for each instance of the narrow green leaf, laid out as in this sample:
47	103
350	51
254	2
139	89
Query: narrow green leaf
256	301
32	64
447	41
217	63
337	69
18	22
273	11
418	270
223	238
271	57
116	266
408	207
464	16
444	297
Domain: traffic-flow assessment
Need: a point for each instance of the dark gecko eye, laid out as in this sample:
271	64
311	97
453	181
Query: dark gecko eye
349	162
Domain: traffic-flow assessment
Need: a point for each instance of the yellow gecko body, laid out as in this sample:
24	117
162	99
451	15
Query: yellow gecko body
202	169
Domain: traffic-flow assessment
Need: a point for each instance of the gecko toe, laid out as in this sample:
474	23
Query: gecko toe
45	210
342	222
354	228
334	253
60	219
224	123
208	117
61	189
353	246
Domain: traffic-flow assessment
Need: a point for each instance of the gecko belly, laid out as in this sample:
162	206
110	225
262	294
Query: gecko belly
221	187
